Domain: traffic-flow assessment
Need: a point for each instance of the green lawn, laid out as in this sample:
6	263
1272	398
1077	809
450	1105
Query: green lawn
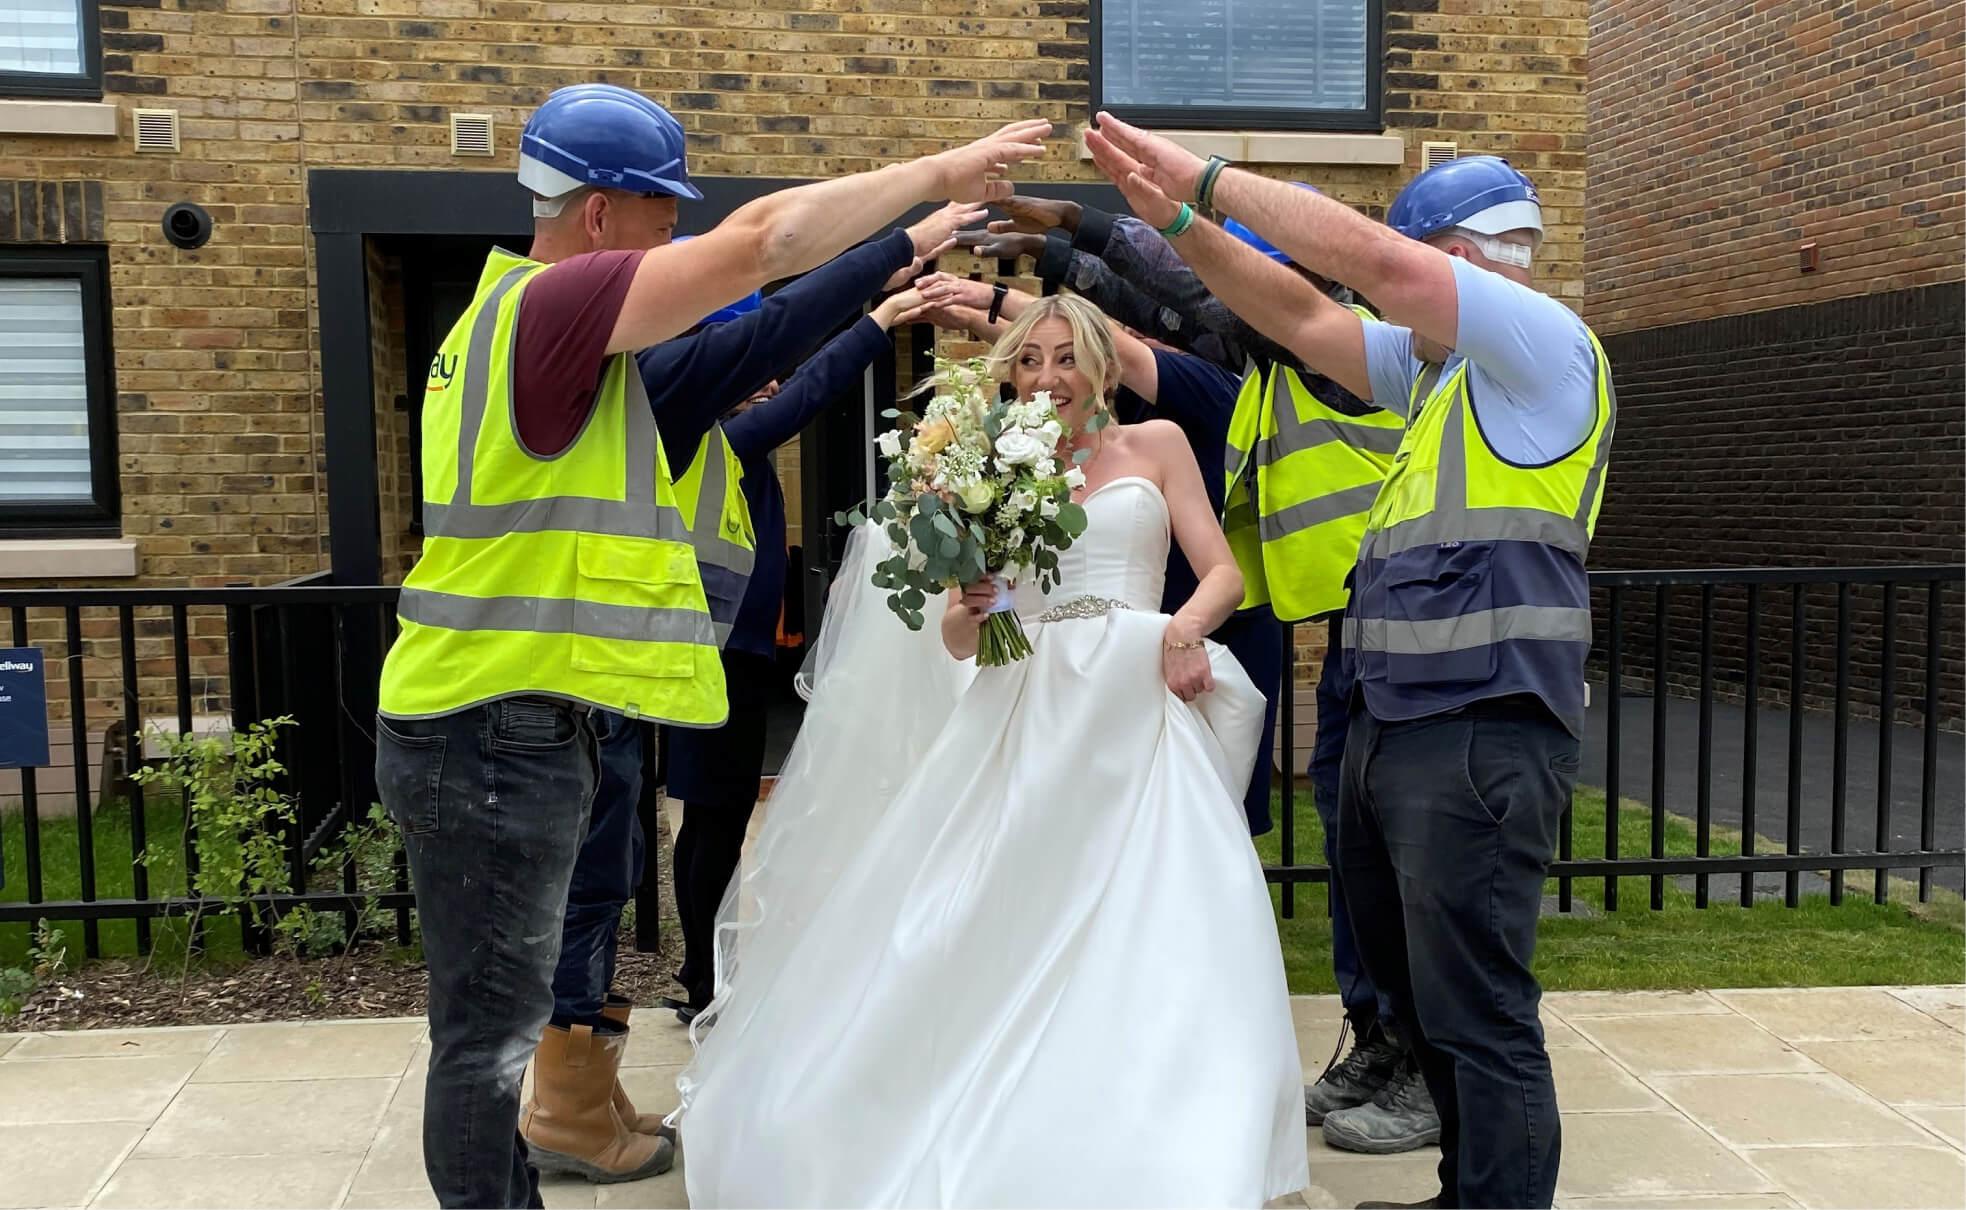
1857	943
1768	945
115	879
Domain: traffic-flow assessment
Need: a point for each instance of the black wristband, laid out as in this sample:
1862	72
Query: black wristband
1205	188
997	295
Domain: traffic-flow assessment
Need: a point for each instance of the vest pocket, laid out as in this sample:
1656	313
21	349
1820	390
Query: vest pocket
640	608
1439	616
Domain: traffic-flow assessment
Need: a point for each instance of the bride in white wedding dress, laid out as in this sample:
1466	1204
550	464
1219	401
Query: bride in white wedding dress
1004	940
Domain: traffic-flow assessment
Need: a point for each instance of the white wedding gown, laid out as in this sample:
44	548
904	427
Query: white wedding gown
1004	940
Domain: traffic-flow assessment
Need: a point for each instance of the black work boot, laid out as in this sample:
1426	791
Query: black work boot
1357	1079
1400	1117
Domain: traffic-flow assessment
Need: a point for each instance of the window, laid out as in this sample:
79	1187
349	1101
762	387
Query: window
57	423
50	48
1274	64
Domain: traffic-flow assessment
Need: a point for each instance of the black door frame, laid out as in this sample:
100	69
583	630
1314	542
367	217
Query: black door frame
345	207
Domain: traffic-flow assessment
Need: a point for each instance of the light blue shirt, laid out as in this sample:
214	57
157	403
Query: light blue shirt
1531	369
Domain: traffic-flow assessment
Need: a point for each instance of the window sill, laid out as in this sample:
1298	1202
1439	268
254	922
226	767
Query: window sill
1279	147
67	558
58	117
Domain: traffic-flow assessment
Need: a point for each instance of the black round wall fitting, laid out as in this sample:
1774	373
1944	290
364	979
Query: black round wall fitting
187	225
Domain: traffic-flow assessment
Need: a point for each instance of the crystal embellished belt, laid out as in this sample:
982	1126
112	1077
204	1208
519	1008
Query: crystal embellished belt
1082	607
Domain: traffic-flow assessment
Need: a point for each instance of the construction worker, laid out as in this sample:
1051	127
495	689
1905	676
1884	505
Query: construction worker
557	578
689	382
1305	458
1469	623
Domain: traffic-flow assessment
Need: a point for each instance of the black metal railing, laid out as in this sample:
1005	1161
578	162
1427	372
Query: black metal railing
305	650
1678	633
313	651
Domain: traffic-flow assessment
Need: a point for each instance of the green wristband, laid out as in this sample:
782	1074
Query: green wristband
1184	218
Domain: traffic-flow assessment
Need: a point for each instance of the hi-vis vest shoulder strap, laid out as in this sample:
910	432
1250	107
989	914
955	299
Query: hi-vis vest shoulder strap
569	575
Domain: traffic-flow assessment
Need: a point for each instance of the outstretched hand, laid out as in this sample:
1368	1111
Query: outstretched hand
976	172
1153	187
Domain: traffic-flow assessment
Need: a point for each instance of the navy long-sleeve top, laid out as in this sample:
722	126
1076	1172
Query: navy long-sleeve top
694	380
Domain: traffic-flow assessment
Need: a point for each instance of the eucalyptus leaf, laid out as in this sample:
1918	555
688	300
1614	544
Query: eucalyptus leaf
951	548
1071	517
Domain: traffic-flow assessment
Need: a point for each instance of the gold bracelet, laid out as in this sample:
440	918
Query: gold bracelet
1173	646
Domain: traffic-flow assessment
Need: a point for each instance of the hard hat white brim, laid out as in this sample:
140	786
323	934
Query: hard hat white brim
1507	217
545	181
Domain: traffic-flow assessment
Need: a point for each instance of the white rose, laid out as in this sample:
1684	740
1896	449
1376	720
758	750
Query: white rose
1075	478
1020	448
1045	468
979	496
1053	430
1048	507
889	443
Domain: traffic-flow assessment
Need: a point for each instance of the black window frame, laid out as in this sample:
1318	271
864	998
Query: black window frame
102	515
85	85
1263	119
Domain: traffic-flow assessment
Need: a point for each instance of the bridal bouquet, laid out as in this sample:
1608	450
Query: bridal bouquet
976	489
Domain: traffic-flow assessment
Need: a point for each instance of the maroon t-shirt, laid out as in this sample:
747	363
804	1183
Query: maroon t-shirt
565	318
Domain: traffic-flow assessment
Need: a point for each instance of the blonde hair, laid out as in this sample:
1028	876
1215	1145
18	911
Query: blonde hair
1093	350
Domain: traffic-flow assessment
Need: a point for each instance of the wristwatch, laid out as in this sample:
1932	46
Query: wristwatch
997	295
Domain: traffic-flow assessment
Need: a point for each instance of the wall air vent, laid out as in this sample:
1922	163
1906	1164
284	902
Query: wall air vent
471	134
1432	154
156	130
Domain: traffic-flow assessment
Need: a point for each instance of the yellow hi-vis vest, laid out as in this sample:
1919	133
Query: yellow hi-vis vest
570	576
1301	480
711	496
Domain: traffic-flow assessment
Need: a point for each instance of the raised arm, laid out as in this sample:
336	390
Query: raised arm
1411	282
794	230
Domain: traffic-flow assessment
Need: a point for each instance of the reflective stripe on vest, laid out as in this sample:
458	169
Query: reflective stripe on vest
711	494
1470	581
568	576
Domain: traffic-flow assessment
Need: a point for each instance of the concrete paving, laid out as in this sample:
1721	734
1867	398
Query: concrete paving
1819	1097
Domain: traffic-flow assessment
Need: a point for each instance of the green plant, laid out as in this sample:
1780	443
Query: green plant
49	953
15	986
237	816
316	995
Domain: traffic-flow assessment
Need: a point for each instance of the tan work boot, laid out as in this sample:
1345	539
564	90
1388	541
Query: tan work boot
571	1124
616	1010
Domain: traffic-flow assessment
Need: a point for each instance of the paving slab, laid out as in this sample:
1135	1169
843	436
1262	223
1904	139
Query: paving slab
1790	1110
1857	1178
329	1050
1674	1044
39	1092
252	1182
269	1117
1844	1014
61	1165
1900	1071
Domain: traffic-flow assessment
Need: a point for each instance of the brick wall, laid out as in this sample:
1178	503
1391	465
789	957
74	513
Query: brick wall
1770	416
1723	137
1828	435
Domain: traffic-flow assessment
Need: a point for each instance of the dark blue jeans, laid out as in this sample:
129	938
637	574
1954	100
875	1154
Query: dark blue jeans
605	875
1446	828
492	802
1363	1002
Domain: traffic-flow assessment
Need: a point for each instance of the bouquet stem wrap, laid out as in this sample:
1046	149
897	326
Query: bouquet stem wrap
1002	639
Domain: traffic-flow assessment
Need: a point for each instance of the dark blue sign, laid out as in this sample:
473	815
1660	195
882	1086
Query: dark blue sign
23	708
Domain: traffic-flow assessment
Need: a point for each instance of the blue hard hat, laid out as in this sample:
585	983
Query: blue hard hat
1256	241
742	307
1481	193
603	136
